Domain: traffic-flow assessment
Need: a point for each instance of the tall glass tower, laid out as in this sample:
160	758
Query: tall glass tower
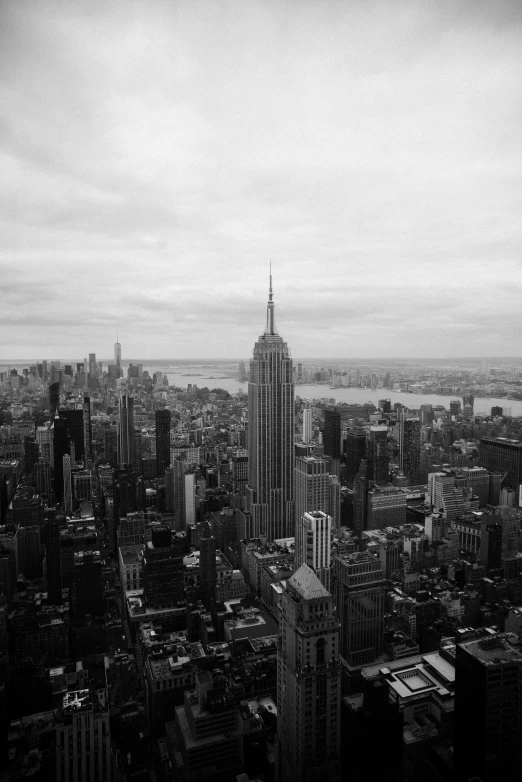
270	490
117	356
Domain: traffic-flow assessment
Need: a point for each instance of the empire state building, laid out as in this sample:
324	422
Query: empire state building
270	490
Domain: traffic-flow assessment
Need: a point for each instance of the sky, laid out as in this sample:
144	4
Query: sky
156	156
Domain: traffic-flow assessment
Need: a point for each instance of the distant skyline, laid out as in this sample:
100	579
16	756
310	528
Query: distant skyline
156	155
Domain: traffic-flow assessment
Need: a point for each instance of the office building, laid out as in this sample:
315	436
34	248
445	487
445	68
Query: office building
207	566
162	418
355	451
75	429
67	485
332	434
270	492
386	507
313	544
308	682
163	570
360	499
61	447
117	357
488	709
54	400
501	454
53	562
409	448
83	737
87	588
189	498
307	425
312	488
126	430
377	454
93	367
87	427
358	586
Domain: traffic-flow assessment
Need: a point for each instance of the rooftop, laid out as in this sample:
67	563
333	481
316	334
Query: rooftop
495	650
306	583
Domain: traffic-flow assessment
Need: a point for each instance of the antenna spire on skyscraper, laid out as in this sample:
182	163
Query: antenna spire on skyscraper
270	319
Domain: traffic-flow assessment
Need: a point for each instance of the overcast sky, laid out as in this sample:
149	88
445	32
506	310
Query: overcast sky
155	156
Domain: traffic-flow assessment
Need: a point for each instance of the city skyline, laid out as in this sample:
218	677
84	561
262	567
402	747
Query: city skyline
371	152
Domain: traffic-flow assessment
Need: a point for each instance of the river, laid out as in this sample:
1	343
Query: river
357	395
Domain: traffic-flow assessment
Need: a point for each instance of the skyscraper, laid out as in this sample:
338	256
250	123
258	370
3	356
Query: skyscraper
377	454
409	447
87	428
314	533
358	586
93	367
271	434
332	433
126	430
307	425
162	441
312	489
117	356
308	682
67	485
488	709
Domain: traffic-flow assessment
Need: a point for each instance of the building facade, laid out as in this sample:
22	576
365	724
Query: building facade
270	491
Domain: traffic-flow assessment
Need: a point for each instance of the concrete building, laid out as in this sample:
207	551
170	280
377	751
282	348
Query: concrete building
308	682
314	545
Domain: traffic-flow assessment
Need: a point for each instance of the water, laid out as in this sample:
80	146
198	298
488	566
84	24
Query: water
214	377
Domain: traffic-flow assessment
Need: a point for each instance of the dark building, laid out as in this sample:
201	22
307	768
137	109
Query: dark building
163	570
488	709
53	562
162	442
332	434
54	400
87	427
207	566
74	420
87	590
377	454
360	499
355	450
499	454
61	446
385	405
409	448
497	411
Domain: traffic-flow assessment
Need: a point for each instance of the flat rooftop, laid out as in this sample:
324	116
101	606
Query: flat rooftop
495	650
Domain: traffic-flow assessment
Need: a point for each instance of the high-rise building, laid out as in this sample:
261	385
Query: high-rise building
75	429
61	446
313	544
207	566
87	590
307	424
54	400
377	454
488	709
117	356
502	455
358	587
162	441
409	447
67	485
163	570
312	488
332	433
53	562
270	492
93	367
355	450
126	430
189	498
87	427
360	499
308	682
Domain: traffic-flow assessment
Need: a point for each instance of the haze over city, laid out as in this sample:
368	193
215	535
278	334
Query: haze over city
156	156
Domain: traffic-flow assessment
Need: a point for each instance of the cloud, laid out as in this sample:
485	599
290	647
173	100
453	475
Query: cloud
155	156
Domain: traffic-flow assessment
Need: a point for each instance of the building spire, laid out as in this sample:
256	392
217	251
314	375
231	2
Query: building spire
270	319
